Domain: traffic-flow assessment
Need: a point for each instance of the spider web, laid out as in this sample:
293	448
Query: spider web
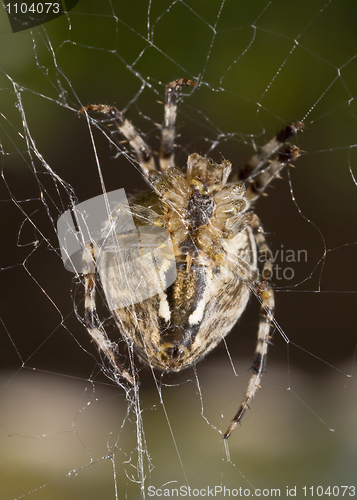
65	428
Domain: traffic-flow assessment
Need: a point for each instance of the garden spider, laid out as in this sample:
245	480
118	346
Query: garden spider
216	241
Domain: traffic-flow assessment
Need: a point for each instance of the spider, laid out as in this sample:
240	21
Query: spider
216	240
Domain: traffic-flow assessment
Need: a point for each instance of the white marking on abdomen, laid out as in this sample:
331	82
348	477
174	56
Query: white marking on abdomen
164	309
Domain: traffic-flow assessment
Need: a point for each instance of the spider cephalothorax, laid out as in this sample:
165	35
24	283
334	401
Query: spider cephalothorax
198	209
216	240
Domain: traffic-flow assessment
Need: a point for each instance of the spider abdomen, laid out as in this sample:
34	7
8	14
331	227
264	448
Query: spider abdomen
176	328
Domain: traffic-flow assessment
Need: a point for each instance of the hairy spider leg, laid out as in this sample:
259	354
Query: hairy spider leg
260	170
91	318
257	178
168	131
266	296
142	151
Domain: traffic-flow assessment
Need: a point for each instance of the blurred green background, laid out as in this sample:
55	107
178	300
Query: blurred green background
260	65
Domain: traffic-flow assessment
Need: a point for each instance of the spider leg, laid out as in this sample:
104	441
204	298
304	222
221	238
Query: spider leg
168	133
91	318
142	151
255	175
266	295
